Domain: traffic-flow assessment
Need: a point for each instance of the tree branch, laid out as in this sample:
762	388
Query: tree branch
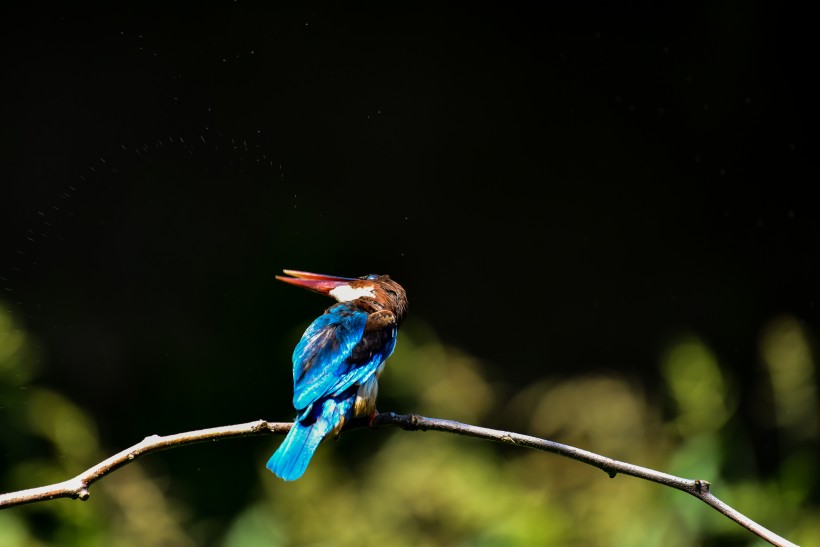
78	486
698	488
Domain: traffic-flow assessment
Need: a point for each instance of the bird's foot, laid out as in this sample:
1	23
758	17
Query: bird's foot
372	418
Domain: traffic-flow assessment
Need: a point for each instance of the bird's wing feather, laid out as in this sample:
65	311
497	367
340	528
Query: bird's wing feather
321	360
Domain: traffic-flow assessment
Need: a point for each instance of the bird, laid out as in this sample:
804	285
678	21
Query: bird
337	361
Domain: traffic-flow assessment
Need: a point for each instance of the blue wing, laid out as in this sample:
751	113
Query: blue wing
321	360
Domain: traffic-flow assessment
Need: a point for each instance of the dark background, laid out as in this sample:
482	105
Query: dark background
559	189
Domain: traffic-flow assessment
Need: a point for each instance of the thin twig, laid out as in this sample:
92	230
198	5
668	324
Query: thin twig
77	488
698	488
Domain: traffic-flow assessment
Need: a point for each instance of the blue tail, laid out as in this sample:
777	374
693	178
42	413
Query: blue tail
293	456
314	424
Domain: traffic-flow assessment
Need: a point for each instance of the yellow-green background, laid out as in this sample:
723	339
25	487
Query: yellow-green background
401	488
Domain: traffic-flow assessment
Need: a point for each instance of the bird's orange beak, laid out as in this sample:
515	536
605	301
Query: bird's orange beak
312	281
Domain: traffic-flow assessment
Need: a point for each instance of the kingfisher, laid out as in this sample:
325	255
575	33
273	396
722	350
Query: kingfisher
338	360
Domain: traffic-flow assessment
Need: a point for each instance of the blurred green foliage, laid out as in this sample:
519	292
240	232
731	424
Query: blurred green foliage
397	488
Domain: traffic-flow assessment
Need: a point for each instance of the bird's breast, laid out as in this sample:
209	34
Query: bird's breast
366	395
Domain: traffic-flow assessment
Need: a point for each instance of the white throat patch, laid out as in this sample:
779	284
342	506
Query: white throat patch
346	293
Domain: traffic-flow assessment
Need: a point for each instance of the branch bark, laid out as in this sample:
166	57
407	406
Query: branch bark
77	487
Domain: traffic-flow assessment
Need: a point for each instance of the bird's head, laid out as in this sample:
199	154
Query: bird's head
377	289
